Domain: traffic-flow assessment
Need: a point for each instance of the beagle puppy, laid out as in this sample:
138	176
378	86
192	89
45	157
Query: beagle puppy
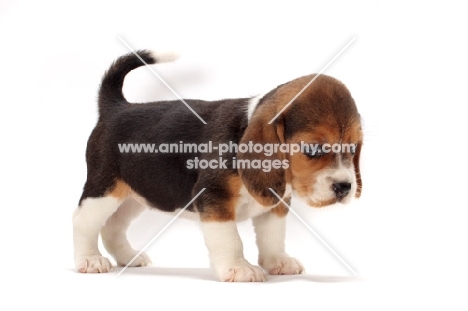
120	184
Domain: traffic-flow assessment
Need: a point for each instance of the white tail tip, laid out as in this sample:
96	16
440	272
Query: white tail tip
165	56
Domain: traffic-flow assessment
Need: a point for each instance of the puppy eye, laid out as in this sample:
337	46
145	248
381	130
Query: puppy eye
313	152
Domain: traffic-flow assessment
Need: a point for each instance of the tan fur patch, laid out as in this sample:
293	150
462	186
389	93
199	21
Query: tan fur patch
357	170
120	190
224	210
282	210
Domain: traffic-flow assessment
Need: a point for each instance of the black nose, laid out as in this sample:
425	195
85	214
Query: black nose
341	189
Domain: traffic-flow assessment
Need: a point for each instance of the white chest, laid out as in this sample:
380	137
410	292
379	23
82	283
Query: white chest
247	207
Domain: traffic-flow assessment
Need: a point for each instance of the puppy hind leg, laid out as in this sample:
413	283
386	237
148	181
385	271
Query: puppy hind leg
88	219
114	235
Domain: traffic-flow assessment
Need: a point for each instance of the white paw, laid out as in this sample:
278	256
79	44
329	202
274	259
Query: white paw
240	272
93	264
125	257
282	264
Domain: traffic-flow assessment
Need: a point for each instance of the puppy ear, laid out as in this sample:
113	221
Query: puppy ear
257	170
357	170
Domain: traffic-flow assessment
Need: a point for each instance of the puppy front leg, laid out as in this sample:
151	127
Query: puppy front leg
270	229
226	253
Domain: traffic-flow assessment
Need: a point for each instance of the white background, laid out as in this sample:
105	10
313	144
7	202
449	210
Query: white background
406	236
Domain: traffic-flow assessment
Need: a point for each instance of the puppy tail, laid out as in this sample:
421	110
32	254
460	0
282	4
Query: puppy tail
110	93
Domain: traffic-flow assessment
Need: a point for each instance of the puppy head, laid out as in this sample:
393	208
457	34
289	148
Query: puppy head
324	122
